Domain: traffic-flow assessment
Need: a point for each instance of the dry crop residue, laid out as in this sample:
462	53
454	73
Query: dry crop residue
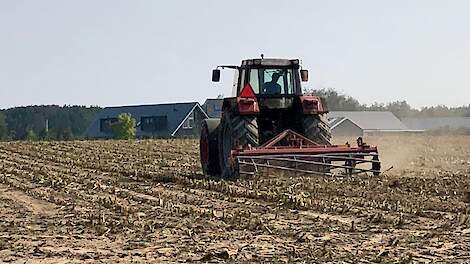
146	201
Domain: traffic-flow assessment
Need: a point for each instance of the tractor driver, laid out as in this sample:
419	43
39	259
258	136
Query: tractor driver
272	87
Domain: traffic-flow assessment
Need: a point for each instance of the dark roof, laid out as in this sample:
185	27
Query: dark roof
213	107
176	113
371	120
436	122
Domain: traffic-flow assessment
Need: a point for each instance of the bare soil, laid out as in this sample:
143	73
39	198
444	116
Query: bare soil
146	201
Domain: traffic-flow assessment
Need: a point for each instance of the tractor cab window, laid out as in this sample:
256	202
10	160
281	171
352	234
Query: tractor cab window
272	81
254	80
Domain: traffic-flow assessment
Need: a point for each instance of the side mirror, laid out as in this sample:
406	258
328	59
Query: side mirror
304	75
215	75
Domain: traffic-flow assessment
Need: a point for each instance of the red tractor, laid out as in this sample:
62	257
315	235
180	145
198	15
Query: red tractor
269	123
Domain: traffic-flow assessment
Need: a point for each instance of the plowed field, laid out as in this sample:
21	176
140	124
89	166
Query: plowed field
146	201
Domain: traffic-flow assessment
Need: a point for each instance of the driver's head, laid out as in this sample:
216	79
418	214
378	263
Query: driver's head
276	76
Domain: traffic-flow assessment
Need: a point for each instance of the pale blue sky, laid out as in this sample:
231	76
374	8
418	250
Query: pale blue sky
110	52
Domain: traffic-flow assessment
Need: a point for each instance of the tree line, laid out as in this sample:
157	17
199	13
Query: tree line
337	101
46	122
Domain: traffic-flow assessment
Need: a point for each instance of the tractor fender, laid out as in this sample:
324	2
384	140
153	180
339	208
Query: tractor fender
212	124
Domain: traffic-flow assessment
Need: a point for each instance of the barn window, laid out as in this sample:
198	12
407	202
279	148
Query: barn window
107	123
154	123
189	122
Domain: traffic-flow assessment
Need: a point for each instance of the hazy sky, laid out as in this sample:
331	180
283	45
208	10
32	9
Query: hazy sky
111	52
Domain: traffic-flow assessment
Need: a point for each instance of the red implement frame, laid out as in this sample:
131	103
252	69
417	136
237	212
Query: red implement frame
294	152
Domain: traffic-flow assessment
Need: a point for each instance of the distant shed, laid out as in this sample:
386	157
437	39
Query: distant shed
342	126
358	123
429	123
157	120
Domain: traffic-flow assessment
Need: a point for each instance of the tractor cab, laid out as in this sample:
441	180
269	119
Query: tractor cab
270	90
266	77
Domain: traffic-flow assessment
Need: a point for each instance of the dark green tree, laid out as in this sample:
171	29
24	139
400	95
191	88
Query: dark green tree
67	134
44	135
30	135
3	127
63	122
337	101
124	128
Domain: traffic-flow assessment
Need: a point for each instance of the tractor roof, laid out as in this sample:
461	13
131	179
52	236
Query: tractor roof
270	62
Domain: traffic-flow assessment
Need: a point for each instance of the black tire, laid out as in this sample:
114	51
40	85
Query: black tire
235	132
376	165
245	130
209	147
316	128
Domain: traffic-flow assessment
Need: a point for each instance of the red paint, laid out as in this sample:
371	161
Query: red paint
290	142
247	92
312	105
247	102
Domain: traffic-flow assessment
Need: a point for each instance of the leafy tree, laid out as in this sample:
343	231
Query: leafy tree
44	135
11	135
3	127
124	128
67	134
64	122
337	101
398	108
30	135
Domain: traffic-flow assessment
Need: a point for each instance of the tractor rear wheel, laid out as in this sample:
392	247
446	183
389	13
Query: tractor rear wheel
209	147
235	131
316	128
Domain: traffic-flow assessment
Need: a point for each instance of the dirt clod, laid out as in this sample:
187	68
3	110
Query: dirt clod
466	197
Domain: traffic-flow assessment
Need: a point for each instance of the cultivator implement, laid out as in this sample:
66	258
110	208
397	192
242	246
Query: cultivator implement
290	151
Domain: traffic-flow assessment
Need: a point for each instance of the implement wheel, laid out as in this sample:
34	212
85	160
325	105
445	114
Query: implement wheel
316	128
208	146
235	131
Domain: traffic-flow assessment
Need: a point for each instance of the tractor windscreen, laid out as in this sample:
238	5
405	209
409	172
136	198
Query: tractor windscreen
271	81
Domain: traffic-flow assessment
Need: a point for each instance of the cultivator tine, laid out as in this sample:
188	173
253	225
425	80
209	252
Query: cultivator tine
254	165
324	163
267	165
247	173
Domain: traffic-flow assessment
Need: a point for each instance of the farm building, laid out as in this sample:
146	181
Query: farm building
358	123
342	126
213	107
429	123
158	120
